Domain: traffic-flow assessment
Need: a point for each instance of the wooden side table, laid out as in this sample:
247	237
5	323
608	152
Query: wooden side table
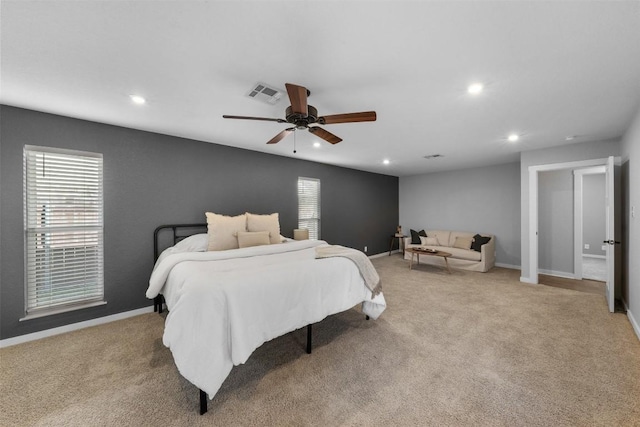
400	238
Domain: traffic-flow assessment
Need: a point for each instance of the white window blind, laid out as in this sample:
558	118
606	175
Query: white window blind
309	206
63	229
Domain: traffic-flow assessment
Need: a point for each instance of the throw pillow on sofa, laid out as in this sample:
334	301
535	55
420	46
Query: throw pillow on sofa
415	236
428	241
478	241
463	242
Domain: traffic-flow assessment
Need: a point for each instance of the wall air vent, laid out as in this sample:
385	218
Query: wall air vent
433	156
266	93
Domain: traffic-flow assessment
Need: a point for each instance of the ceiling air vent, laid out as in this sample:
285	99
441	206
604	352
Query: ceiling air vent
433	156
265	93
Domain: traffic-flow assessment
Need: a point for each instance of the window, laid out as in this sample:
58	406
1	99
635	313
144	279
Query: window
309	206
63	230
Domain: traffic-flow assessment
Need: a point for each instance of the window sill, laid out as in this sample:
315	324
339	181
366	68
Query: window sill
66	309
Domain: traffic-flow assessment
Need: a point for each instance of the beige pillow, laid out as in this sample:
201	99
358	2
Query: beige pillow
428	241
223	231
270	223
463	242
253	238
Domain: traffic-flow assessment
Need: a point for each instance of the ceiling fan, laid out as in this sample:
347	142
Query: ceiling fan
301	116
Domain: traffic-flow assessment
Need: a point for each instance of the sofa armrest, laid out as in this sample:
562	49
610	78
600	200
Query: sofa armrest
488	254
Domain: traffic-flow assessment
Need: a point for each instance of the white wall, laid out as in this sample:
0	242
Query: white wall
630	152
594	222
546	156
478	200
555	219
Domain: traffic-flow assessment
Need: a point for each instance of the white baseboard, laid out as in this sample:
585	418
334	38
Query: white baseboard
73	327
510	266
557	273
632	320
594	256
383	254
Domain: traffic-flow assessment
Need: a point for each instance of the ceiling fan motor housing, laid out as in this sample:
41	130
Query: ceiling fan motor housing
299	120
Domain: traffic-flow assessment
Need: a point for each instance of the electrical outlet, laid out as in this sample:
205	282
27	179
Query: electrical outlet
365	249
586	246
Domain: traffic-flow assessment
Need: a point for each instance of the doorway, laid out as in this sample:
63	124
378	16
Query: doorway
612	232
590	226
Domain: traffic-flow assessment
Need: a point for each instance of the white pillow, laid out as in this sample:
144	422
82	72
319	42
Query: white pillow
428	241
463	242
195	243
270	223
223	231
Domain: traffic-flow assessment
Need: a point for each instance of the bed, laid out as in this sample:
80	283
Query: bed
225	304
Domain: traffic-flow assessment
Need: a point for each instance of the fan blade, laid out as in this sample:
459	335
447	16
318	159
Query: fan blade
326	135
279	137
365	116
298	98
266	119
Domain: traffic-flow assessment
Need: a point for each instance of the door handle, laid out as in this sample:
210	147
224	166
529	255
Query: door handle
611	242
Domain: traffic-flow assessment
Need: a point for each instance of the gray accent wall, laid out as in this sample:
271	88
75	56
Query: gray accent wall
152	179
594	223
555	222
478	200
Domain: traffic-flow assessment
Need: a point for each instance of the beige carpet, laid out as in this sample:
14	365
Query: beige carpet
451	350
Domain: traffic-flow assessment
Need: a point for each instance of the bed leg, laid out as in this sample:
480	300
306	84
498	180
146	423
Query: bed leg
367	317
203	402
308	339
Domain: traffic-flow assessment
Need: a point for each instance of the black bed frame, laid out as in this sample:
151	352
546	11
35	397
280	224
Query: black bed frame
181	231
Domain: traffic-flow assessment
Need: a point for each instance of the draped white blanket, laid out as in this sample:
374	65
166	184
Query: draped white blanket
224	305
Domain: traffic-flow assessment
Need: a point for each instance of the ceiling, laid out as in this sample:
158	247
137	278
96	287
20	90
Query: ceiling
549	70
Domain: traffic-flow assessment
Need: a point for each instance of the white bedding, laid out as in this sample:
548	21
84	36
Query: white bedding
223	305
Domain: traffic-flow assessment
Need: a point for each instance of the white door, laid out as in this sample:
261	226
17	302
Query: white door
610	235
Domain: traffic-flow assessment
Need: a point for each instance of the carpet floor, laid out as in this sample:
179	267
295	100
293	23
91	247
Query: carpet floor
460	349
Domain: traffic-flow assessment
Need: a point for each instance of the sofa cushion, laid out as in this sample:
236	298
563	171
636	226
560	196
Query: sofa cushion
441	235
478	241
415	236
461	253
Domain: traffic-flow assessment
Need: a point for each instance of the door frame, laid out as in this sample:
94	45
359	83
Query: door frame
533	206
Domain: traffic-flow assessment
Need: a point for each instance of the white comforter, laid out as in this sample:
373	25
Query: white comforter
224	305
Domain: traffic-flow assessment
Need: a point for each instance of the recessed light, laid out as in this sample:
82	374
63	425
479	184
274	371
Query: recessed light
316	144
513	137
569	138
137	99
385	161
475	88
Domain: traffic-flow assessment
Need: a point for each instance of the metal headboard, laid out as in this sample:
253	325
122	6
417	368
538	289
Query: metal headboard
179	232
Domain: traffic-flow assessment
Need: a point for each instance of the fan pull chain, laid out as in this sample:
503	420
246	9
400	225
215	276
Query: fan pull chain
294	142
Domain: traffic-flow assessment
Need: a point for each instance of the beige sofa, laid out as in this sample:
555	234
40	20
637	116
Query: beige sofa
464	259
